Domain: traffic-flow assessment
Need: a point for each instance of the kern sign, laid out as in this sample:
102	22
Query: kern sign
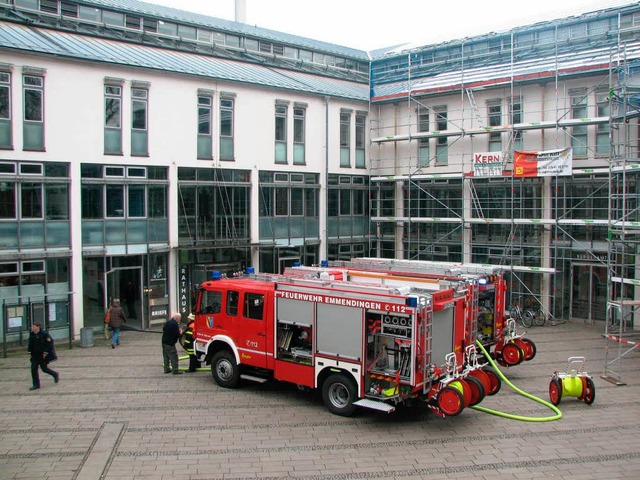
550	163
487	164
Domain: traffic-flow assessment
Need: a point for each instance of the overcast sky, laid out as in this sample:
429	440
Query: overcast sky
371	24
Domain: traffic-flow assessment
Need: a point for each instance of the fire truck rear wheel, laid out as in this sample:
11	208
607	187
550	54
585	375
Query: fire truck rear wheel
338	394
225	370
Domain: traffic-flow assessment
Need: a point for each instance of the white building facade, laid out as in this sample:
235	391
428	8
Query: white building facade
143	148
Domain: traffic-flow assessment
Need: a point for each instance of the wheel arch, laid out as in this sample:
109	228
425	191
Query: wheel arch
327	371
218	343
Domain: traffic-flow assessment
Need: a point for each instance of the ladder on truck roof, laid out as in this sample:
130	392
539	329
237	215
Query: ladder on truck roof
425	266
283	281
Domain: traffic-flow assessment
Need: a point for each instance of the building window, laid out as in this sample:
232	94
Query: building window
6	136
345	139
423	143
34	205
494	112
299	134
139	122
113	120
361	121
216	208
205	139
442	142
579	140
31	200
281	134
124	204
515	113
226	128
603	146
33	87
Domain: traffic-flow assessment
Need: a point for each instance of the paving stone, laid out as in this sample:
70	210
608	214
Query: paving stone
114	411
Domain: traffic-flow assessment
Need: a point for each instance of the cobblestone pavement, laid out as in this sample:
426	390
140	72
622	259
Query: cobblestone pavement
115	415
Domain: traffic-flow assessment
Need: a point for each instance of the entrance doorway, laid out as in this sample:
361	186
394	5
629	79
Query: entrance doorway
588	292
125	283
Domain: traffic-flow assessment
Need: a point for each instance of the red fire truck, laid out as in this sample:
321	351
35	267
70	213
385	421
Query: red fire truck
362	345
486	314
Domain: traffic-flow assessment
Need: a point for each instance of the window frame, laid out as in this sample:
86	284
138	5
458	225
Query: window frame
226	129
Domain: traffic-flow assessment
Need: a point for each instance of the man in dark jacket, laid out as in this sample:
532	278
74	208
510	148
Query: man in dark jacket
171	333
118	317
40	347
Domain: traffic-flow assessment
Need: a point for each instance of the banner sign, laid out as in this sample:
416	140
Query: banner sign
550	163
487	164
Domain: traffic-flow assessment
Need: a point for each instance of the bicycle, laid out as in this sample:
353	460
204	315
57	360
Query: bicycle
526	318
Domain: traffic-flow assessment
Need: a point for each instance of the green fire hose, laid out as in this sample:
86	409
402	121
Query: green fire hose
558	413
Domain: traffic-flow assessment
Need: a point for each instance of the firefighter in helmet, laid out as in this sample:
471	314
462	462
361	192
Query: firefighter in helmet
188	343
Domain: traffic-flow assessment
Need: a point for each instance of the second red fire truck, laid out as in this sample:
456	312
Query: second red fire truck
361	345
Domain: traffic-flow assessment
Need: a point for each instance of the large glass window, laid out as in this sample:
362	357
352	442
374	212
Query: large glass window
124	204
114	201
423	143
7	200
139	120
33	128
299	134
6	140
579	139
112	120
213	205
226	128
34	205
205	143
494	112
442	142
345	139
516	117
288	205
361	135
31	200
602	129
281	134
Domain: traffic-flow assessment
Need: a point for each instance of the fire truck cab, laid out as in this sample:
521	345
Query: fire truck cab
362	345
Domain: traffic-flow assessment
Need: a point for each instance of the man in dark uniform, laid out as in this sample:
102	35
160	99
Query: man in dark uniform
171	333
40	347
187	343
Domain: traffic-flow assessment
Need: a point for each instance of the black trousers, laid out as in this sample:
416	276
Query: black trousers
39	363
193	363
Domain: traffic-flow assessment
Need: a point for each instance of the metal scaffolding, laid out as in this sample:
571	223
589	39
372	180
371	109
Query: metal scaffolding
436	108
621	328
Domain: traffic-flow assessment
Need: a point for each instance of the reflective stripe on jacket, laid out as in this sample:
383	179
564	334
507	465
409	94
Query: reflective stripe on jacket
187	338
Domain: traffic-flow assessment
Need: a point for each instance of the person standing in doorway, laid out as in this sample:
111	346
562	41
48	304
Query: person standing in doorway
117	318
130	298
171	333
40	347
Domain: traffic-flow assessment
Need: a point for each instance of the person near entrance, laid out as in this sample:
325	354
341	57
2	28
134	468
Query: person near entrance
116	319
171	333
41	350
187	343
130	299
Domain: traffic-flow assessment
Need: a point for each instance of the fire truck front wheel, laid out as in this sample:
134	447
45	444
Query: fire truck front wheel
338	393
225	370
